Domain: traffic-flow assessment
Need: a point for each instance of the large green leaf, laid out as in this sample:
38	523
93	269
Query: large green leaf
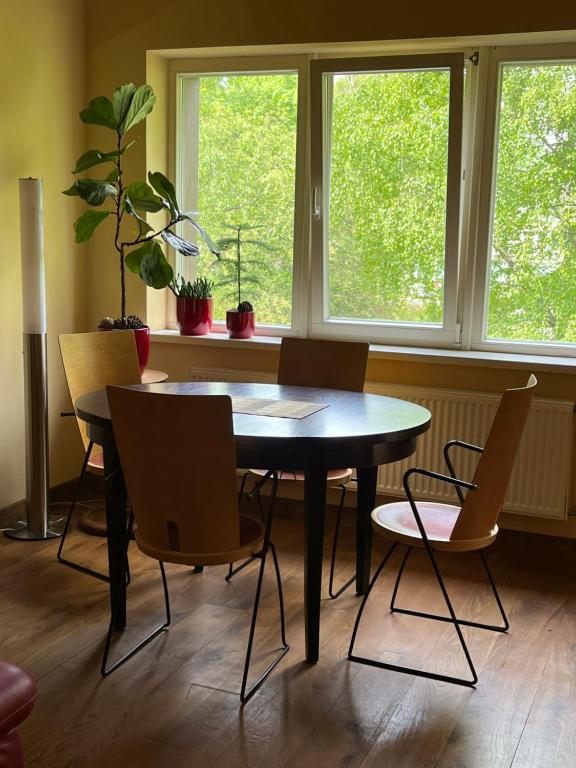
141	105
100	112
165	188
155	270
95	157
143	226
203	234
121	101
85	225
142	197
133	260
94	192
179	244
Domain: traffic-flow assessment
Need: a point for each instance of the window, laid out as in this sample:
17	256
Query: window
385	161
237	168
531	291
425	199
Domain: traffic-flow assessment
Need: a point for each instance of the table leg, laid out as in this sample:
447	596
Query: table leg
365	503
116	498
314	504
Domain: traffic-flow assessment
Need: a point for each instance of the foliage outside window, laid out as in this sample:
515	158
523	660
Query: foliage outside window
390	195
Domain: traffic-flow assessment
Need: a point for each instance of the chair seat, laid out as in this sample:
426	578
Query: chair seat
335	476
251	539
396	521
96	462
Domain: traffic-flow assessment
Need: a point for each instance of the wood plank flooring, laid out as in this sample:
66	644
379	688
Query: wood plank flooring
175	704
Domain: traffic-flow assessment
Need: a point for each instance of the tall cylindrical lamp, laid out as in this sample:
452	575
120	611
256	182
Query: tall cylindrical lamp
38	525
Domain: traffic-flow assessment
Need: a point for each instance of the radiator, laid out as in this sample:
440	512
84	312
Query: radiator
540	482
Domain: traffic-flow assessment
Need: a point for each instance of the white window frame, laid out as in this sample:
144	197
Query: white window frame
384	331
182	71
466	292
477	293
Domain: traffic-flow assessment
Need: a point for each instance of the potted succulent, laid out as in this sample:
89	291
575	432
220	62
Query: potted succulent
137	243
240	321
194	305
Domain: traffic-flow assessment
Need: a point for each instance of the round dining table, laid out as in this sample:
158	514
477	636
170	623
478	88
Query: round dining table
352	429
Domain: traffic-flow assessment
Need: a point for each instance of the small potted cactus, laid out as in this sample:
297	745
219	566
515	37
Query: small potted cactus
141	334
194	305
240	322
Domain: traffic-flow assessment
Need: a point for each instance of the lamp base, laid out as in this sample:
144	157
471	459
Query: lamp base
54	528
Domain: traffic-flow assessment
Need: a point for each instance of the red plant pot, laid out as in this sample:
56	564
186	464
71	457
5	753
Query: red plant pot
240	325
194	316
142	336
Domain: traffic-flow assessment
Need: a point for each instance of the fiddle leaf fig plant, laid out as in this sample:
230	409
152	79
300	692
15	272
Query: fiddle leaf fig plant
139	246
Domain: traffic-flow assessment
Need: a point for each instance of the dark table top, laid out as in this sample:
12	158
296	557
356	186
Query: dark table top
350	427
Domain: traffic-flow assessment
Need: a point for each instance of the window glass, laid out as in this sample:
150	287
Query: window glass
532	269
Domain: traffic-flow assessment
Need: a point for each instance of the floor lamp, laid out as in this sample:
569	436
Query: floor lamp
39	525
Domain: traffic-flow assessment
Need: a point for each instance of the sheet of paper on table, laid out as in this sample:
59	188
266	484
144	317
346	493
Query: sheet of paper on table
285	409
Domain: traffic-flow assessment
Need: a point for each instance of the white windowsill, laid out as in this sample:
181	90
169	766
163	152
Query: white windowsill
479	359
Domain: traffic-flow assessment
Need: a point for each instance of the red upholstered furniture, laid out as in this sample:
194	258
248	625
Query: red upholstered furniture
17	696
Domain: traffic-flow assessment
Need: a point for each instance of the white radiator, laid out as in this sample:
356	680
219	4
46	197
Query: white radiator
540	483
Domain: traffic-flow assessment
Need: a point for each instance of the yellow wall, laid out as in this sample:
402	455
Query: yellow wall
41	91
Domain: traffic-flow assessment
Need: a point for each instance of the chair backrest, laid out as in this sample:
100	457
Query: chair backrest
93	360
481	507
320	363
177	454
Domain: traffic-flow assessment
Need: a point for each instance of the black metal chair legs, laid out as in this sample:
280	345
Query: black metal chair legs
65	561
452	619
351	580
255	493
246	691
61	559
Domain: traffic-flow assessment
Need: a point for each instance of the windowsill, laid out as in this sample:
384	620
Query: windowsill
480	359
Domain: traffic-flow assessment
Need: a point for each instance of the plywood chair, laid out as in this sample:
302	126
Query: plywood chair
177	454
328	365
91	361
449	528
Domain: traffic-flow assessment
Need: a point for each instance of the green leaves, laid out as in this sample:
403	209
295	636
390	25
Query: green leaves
85	225
100	112
179	244
94	192
165	189
96	157
129	106
151	264
141	196
121	101
141	105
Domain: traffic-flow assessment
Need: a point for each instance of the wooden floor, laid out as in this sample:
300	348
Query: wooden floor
175	704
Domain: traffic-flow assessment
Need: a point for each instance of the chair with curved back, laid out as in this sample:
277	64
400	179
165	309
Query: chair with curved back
91	361
179	462
472	526
328	365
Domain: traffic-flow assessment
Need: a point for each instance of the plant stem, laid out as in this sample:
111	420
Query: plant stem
238	265
118	245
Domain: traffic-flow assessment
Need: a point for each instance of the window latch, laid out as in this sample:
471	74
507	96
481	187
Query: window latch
316	211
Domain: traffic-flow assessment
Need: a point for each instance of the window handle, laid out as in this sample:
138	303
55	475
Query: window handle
316	210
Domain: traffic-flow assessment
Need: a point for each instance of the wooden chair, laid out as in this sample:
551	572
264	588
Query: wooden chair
91	361
328	365
450	528
178	457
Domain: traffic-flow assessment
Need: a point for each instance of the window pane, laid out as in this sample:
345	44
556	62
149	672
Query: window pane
533	261
246	176
387	195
